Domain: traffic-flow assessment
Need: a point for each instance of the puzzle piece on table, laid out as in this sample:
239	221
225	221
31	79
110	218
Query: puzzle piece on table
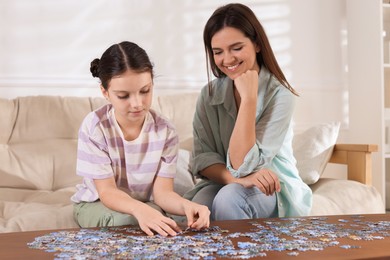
291	235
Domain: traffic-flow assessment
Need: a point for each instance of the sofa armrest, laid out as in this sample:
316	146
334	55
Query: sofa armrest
357	157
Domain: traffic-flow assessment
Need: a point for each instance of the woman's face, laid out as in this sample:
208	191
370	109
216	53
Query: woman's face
233	52
131	96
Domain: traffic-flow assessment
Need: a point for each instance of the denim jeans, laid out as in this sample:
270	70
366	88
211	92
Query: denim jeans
234	201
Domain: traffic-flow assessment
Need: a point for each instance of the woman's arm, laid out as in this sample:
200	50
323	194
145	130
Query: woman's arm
273	121
208	145
264	179
198	216
218	173
244	133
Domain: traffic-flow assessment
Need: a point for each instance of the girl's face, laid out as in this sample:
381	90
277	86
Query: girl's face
131	96
233	52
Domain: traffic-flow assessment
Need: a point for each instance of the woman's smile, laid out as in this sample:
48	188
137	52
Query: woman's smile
233	67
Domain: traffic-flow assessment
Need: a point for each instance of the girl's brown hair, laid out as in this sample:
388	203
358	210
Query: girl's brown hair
117	59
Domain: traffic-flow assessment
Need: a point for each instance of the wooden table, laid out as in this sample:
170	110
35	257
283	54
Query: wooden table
14	245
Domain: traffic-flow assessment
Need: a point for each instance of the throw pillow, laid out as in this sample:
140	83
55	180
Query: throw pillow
313	149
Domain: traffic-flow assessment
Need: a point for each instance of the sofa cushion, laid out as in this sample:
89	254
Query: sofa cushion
8	115
179	109
39	140
313	148
19	216
184	180
338	197
25	210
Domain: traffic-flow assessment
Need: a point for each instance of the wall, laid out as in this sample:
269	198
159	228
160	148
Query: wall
46	46
365	78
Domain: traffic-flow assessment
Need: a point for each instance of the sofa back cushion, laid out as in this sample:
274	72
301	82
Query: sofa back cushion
179	109
38	136
38	140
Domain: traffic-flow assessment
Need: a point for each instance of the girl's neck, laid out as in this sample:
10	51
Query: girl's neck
130	129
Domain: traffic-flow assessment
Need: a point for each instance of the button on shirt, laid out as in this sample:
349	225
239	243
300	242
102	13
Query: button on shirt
214	121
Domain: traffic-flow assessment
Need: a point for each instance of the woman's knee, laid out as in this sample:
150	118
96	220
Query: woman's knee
234	201
230	194
206	195
229	203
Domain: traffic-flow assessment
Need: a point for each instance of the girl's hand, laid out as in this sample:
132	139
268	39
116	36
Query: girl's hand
264	179
150	219
198	216
247	84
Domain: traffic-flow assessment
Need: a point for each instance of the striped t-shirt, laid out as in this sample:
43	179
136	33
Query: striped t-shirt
103	152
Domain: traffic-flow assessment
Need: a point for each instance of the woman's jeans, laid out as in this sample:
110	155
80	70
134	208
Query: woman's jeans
234	201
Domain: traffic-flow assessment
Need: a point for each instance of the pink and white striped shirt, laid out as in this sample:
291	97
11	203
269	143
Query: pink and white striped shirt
103	152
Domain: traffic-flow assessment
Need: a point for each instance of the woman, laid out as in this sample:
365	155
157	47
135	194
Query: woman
127	153
243	125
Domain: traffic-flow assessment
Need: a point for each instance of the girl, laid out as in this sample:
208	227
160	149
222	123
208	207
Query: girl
127	153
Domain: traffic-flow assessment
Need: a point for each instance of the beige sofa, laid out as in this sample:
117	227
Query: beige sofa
38	138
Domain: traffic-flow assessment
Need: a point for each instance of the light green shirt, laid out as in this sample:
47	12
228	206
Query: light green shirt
213	125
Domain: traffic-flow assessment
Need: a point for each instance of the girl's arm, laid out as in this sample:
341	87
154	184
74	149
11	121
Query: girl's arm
148	218
198	216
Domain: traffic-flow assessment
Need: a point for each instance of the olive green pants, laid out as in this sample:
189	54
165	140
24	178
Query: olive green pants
95	214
